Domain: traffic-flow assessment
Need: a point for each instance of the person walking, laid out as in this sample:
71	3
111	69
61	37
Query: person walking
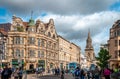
15	74
62	73
82	74
96	73
77	73
20	73
5	73
107	73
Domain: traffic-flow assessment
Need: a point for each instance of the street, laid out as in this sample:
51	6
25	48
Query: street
33	76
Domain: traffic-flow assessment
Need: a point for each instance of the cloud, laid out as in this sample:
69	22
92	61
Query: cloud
75	27
56	6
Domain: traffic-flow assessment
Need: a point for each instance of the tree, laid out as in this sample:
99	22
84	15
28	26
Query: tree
103	57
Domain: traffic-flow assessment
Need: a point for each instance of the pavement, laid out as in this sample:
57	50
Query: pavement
47	76
50	76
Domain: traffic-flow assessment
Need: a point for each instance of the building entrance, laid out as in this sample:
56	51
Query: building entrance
31	66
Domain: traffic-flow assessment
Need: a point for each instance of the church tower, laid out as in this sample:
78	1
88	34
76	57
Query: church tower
89	50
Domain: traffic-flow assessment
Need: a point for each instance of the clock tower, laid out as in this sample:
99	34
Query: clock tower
89	50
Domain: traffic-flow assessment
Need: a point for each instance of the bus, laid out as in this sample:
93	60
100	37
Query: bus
72	66
92	67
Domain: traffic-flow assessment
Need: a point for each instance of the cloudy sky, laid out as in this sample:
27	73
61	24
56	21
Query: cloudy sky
72	18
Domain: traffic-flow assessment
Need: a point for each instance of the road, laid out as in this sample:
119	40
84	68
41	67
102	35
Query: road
33	76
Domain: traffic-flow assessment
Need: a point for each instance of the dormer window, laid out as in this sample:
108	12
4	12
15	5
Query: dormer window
15	28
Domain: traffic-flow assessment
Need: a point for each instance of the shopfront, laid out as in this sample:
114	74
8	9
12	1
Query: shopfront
15	63
41	63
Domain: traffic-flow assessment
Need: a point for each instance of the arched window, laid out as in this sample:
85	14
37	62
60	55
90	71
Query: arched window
17	53
38	41
53	36
49	34
39	53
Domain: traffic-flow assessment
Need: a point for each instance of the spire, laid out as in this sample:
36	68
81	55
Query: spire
31	21
31	14
89	41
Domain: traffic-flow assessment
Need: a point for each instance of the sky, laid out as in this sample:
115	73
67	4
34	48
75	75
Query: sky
72	18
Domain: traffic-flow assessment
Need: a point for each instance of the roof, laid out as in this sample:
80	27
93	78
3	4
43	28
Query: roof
3	31
6	26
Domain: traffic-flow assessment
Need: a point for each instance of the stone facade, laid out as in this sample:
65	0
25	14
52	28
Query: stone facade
33	44
68	52
3	49
89	51
36	44
114	44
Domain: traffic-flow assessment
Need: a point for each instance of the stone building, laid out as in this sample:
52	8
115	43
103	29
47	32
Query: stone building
36	44
32	44
68	52
114	44
89	51
3	51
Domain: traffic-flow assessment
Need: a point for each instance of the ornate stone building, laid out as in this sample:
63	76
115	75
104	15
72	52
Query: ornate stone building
89	51
3	49
114	44
36	44
32	44
68	52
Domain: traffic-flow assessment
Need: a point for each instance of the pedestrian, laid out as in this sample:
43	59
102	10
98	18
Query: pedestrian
15	74
5	73
20	73
10	72
55	71
96	73
37	71
107	73
77	73
82	74
62	73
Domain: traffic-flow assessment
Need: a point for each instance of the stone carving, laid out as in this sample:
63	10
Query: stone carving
17	24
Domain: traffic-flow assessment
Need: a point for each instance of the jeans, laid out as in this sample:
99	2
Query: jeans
82	77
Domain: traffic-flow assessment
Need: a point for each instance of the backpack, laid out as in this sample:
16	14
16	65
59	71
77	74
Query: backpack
77	72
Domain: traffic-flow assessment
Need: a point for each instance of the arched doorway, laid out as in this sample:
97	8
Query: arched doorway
31	66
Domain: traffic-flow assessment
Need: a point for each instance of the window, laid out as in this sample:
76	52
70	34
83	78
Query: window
38	41
31	29
118	32
19	40
116	54
17	53
49	34
22	53
53	36
49	44
115	42
31	53
119	53
42	54
31	40
39	54
119	42
42	43
115	34
15	28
